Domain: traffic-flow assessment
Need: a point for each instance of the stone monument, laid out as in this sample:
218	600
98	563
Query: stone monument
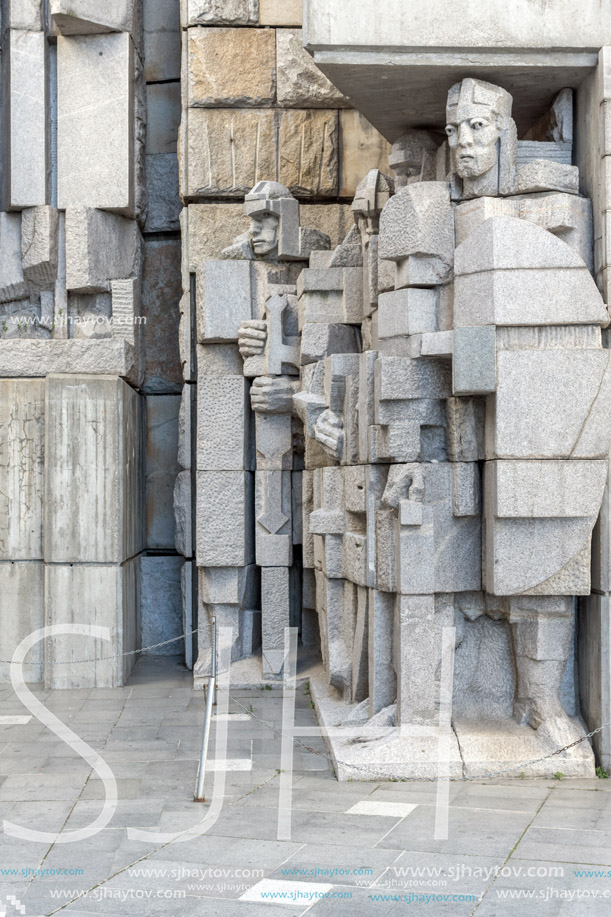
438	388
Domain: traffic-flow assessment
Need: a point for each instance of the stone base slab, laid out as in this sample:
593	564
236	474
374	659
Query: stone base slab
395	755
490	746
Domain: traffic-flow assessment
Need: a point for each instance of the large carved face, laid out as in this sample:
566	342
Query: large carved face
264	233
474	143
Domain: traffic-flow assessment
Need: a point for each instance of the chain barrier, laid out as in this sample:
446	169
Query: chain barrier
353	767
392	776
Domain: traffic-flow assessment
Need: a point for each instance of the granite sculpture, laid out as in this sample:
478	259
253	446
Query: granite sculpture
438	387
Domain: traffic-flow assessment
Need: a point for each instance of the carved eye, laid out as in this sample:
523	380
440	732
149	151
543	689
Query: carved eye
450	130
477	124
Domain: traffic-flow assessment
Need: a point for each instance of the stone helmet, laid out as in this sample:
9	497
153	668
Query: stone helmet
413	157
476	99
272	197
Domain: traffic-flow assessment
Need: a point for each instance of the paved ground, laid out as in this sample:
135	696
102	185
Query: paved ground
518	847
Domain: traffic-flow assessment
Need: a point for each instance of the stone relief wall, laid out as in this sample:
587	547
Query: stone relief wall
255	108
429	446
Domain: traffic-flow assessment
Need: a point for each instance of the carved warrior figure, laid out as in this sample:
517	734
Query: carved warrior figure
247	484
446	364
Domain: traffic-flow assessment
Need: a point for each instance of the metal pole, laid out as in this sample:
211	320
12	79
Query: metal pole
199	790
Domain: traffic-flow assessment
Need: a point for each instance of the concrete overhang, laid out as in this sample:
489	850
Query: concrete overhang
396	59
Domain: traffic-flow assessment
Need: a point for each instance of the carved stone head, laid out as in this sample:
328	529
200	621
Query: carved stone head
413	158
274	216
482	138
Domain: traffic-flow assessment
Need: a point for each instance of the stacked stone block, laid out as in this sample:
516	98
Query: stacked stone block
73	356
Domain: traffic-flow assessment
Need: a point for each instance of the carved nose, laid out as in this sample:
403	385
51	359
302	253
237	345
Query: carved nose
465	135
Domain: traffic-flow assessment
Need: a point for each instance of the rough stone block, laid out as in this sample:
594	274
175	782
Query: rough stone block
335	220
402	379
161	604
100	247
558	213
275	602
38	358
161	469
107	596
228	151
224	524
417	232
161	290
300	83
507	243
210	228
417	656
125	300
537	388
465	429
95	142
224	439
229	585
466	498
39	240
528	297
162	193
183	513
537	556
474	361
161	40
308	152
93	510
569	489
404	312
12	283
280	12
546	175
231	67
228	300
21	613
221	12
361	148
561	152
25	14
26	161
319	341
162	117
22	415
89	17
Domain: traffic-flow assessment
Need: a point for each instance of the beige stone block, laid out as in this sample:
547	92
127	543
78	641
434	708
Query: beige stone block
336	220
300	83
211	228
231	67
361	148
93	510
21	613
280	12
103	596
22	413
308	152
228	151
